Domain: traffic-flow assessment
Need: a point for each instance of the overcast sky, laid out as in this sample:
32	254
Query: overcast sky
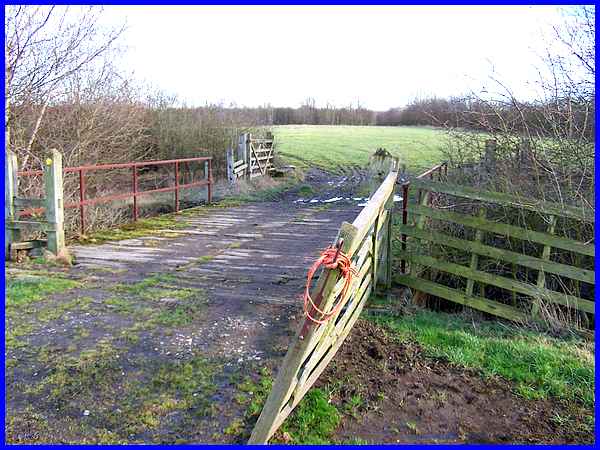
382	56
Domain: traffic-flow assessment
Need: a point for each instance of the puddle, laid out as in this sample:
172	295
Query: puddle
363	200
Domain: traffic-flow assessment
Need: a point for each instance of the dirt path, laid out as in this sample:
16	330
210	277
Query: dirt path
214	300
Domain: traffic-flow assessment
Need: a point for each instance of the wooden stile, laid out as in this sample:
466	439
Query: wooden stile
53	203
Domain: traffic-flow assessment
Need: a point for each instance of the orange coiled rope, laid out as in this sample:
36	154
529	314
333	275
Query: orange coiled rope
332	258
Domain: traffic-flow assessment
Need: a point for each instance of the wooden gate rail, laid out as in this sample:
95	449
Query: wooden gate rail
367	242
134	193
542	264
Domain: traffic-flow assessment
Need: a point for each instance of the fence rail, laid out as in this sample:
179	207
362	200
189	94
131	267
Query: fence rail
367	242
83	201
417	230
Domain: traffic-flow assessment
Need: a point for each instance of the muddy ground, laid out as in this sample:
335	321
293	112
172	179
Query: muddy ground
157	339
408	397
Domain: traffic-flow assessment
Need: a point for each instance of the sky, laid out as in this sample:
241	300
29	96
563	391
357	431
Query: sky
382	57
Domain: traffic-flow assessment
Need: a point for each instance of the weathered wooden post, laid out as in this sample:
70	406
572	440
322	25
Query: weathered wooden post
380	164
10	192
230	161
242	150
53	182
248	155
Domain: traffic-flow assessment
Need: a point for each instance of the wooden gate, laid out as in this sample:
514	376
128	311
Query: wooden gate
367	243
253	158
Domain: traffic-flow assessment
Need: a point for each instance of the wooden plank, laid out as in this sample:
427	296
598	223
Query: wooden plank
239	163
38	243
263	150
240	169
482	304
261	158
382	222
505	229
516	201
503	282
541	281
38	225
24	203
532	262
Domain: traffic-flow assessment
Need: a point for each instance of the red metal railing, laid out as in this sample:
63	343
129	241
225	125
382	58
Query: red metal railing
135	193
443	167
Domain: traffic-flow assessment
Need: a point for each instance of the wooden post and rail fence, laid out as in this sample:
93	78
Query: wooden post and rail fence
531	294
53	203
367	242
252	158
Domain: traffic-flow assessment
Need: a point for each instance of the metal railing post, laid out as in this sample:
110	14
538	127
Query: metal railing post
209	177
81	200
176	186
134	187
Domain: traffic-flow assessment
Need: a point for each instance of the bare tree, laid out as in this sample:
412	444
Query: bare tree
45	46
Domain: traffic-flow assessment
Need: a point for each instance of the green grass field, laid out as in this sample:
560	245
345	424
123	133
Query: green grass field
337	147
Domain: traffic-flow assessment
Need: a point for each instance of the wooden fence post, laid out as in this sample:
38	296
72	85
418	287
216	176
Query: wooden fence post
380	164
242	150
10	192
541	280
475	258
248	154
230	161
53	181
